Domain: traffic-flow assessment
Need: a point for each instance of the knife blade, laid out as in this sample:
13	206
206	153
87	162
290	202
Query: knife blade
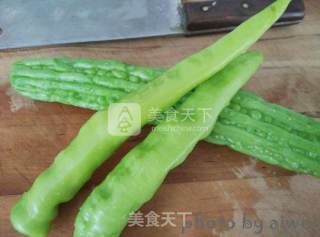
50	22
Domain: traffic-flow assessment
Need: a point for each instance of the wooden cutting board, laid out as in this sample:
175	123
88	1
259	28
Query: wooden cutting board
219	186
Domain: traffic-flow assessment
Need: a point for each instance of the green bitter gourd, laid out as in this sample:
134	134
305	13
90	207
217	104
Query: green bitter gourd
249	124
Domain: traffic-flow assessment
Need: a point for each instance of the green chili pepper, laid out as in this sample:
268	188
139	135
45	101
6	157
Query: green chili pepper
140	173
73	166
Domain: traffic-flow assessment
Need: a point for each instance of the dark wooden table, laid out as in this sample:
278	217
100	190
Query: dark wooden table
215	182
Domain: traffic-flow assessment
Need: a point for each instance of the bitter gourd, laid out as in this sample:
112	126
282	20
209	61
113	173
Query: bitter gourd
269	132
92	84
242	125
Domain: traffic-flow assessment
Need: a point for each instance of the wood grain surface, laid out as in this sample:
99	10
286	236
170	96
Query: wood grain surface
219	186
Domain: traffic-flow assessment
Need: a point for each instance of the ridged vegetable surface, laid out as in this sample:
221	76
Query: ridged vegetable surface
249	125
269	132
140	173
92	84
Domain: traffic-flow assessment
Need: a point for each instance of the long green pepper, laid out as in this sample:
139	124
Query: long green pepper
140	173
73	166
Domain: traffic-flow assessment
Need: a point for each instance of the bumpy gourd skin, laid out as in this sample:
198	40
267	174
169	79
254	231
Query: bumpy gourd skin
139	174
92	84
270	133
248	116
96	83
74	165
47	79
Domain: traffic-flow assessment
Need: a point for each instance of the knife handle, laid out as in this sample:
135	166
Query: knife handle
224	15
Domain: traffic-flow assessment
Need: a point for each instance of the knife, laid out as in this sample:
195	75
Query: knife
50	22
